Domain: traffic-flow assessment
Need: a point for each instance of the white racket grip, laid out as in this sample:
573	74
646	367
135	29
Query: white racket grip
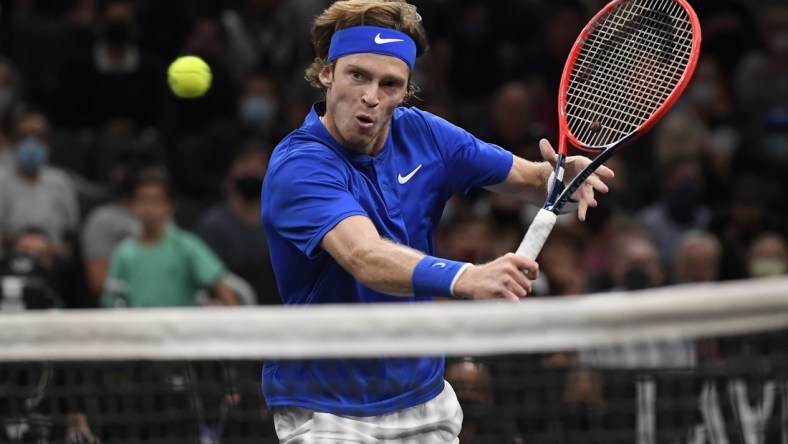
534	239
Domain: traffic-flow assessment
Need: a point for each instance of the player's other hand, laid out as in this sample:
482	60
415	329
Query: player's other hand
508	277
574	165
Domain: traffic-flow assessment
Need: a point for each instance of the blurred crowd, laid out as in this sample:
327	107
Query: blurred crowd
95	150
85	112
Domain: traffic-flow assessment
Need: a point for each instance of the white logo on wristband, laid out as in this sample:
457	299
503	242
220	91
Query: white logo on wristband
439	264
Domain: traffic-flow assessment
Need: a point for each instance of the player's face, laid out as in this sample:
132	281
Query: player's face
362	93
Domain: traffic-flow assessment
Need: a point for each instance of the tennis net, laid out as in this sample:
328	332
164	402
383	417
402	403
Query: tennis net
682	364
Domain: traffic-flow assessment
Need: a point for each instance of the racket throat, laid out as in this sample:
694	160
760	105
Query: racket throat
555	185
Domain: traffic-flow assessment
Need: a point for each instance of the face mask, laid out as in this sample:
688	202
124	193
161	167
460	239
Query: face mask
30	154
258	110
768	266
249	188
636	279
6	97
117	32
682	202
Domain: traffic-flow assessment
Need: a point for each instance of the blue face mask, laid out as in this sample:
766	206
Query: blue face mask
258	110
30	154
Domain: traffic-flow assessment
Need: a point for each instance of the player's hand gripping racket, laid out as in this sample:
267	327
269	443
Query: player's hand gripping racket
627	68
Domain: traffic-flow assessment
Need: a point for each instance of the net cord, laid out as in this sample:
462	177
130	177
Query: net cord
374	330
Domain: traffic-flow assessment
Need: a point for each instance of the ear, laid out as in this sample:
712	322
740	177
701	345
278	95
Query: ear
326	75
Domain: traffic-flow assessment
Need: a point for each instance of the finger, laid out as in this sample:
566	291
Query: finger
596	183
509	295
522	279
520	286
547	151
605	172
582	207
524	264
588	195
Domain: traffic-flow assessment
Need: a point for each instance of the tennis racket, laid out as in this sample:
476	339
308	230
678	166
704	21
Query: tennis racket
627	68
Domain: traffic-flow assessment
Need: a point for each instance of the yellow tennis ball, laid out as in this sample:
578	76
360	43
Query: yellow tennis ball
189	77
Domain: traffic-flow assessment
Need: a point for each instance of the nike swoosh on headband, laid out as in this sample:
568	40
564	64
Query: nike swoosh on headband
382	41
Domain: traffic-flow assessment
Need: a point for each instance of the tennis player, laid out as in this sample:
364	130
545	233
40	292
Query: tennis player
351	202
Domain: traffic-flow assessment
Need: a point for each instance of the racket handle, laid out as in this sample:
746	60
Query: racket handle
537	234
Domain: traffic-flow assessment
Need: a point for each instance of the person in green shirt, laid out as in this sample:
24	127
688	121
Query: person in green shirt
163	265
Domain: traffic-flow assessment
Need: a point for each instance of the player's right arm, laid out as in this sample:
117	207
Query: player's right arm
388	267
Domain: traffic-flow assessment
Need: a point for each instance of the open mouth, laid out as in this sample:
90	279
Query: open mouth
365	121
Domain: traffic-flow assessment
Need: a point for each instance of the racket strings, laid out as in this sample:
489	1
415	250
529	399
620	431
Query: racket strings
620	58
632	60
641	107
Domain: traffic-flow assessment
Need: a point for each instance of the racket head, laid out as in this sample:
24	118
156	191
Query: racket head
628	66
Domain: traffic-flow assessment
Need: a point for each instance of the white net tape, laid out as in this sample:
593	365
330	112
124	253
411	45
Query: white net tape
376	330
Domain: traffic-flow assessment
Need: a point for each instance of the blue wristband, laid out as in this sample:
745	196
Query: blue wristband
434	276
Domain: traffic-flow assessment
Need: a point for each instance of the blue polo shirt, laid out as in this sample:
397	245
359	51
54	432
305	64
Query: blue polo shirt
312	184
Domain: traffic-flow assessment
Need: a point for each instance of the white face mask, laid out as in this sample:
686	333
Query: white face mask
767	266
258	110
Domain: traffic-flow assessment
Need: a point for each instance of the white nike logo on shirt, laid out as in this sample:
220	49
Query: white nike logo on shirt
404	179
381	41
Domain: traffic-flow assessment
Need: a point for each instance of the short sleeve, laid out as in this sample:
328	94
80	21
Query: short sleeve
306	196
470	161
206	267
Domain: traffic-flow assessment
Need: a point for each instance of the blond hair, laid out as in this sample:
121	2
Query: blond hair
394	14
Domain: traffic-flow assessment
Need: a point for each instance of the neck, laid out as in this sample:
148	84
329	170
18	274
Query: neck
151	234
29	176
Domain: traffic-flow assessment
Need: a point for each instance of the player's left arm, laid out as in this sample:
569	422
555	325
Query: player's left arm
528	180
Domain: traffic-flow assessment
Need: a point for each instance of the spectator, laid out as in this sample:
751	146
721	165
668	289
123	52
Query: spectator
108	224
747	215
204	132
10	98
636	266
112	86
512	124
618	255
29	278
761	79
768	256
697	258
206	40
267	34
163	266
259	109
680	206
32	193
468	239
473	384
233	229
560	262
